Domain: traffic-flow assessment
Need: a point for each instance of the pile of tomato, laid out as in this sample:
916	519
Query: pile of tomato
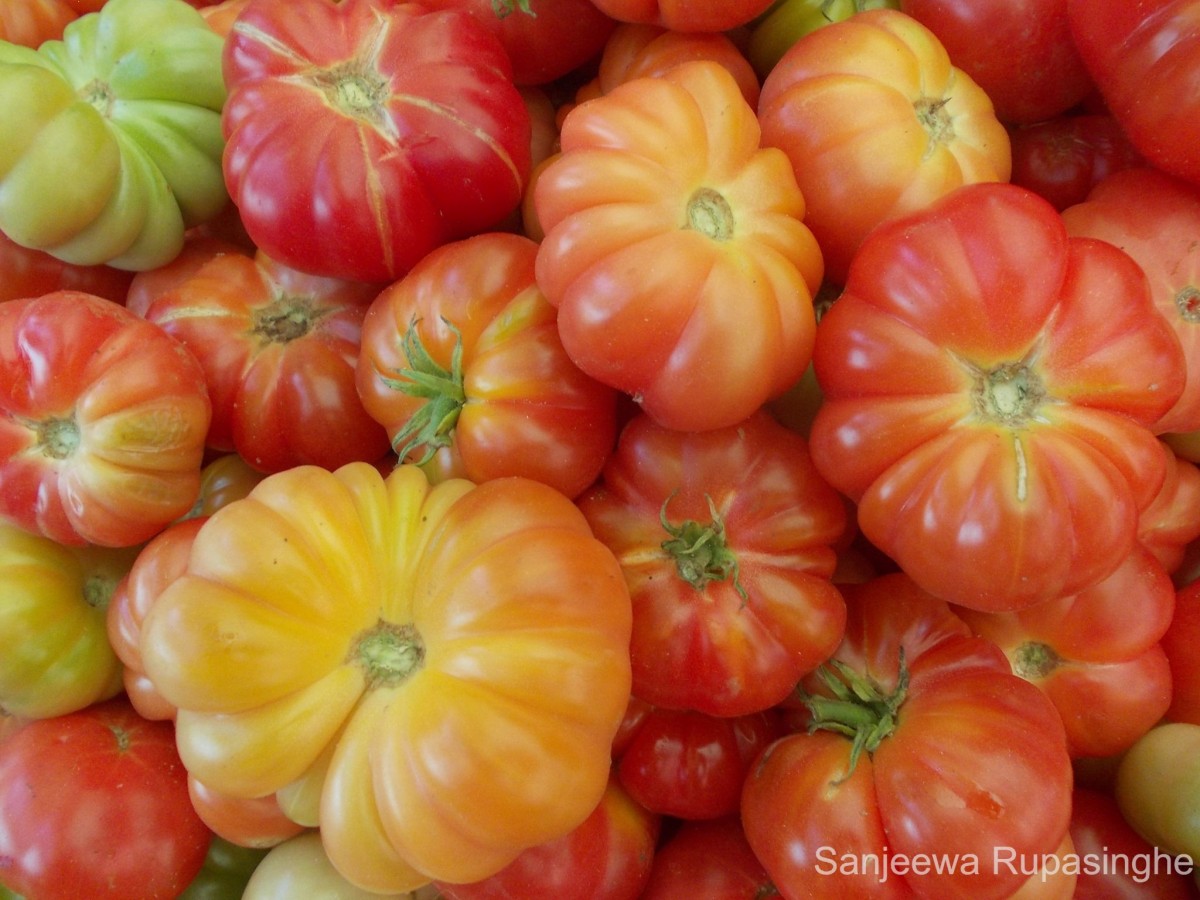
601	449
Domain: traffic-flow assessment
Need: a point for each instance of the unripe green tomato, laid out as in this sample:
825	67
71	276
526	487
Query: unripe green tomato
786	21
1158	788
226	871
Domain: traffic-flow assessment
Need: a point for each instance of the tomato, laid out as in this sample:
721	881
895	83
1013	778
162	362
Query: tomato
1143	57
226	870
220	16
690	765
1114	860
607	857
250	822
30	22
362	134
53	603
645	246
225	478
726	538
544	39
1158	790
1064	157
685	15
1171	523
916	773
1117	211
450	662
462	363
31	273
1179	643
1095	654
279	350
920	128
94	804
135	89
709	859
102	421
786	21
989	384
1021	53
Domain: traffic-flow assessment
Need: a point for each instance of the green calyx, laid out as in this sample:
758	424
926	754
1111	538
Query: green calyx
505	8
859	709
388	654
699	549
432	425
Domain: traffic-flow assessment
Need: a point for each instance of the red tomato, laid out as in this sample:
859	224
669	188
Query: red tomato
989	384
726	540
1172	521
95	804
708	859
685	15
1063	158
918	770
545	39
606	857
30	273
362	134
279	350
1119	210
1144	56
690	765
1180	644
102	421
1020	51
462	364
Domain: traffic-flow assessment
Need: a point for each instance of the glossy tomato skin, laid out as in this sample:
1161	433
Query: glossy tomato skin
685	15
29	22
108	794
31	273
921	127
1021	52
709	859
509	400
1143	56
990	384
1179	643
1158	789
607	857
102	423
325	101
644	248
817	821
730	630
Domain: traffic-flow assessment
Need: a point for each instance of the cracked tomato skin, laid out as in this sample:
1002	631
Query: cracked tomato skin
445	665
102	421
361	135
989	385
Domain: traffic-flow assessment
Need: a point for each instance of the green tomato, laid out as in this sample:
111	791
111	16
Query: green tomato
112	136
786	21
1158	788
226	871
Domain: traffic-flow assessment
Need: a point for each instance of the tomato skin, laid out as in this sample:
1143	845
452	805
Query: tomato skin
525	408
31	273
30	22
315	656
249	822
786	21
921	126
385	200
226	870
1179	644
724	642
607	857
1020	52
1063	158
109	794
102	422
1172	521
992	506
642	300
709	859
805	809
1143	57
685	15
1158	788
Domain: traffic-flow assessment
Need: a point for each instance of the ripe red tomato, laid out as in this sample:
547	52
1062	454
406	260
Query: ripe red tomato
1180	643
708	859
25	272
95	804
685	15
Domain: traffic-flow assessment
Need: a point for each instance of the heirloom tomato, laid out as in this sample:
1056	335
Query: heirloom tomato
1144	57
95	804
682	279
246	821
25	272
1095	654
226	870
685	15
1021	52
447	664
726	539
1155	217
30	22
607	857
915	765
362	134
920	127
544	39
1171	523
102	421
1180	643
710	859
136	90
53	601
786	21
1158	790
462	363
279	348
989	385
